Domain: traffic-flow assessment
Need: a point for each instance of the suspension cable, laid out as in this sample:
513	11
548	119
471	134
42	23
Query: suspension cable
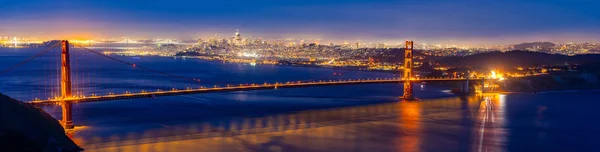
136	66
28	59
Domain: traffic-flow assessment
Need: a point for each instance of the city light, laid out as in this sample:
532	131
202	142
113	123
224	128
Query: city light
494	74
299	76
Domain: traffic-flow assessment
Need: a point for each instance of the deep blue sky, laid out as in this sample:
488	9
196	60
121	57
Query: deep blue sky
432	21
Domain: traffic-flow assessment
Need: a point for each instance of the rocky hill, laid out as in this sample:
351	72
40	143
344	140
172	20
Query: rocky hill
513	59
28	128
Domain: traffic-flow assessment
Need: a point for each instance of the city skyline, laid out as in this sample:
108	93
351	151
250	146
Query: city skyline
441	22
299	75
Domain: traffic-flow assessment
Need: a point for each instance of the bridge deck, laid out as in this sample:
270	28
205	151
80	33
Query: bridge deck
233	88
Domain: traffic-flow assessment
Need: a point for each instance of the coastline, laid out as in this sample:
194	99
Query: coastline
298	65
349	69
552	91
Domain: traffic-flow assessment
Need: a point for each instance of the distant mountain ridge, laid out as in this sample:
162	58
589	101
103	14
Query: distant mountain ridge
535	46
518	58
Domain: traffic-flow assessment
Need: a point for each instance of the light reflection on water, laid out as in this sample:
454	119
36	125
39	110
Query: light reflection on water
397	126
410	124
358	118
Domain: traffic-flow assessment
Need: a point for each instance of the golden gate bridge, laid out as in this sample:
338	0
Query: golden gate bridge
66	99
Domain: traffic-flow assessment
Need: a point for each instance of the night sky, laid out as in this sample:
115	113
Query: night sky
431	21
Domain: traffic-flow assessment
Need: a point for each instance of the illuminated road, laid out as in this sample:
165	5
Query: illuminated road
240	87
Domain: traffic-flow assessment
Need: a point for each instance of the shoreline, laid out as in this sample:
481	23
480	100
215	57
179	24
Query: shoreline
350	69
551	91
295	65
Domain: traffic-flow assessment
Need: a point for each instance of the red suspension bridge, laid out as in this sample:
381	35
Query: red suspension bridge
66	99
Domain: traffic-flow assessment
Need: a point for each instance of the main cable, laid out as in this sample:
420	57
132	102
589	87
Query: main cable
138	67
28	59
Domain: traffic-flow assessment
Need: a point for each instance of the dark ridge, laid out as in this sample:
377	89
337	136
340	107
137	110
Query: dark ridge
513	59
28	128
535	45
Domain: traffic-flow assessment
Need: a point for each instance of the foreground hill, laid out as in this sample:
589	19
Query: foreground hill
27	128
513	59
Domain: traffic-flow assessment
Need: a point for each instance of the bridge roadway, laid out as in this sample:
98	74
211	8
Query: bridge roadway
238	88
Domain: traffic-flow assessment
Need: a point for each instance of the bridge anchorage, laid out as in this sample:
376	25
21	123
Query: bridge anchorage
66	98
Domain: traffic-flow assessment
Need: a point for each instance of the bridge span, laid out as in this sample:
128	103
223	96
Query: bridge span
241	87
67	99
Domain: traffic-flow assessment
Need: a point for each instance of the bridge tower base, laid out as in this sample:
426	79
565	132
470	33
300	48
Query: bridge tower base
408	91
407	74
65	86
67	114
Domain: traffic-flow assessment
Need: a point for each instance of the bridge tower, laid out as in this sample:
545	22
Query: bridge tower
65	86
407	75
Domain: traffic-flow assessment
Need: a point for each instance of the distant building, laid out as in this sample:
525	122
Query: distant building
237	39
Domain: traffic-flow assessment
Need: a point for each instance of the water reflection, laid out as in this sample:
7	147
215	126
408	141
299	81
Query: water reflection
490	134
410	126
453	124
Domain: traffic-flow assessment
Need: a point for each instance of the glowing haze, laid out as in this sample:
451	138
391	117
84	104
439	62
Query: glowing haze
432	21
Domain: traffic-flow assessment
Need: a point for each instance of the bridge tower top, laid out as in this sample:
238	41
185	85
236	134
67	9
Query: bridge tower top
65	78
408	60
65	86
407	75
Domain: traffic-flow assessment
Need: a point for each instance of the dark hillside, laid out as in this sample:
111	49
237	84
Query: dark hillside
27	128
517	58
